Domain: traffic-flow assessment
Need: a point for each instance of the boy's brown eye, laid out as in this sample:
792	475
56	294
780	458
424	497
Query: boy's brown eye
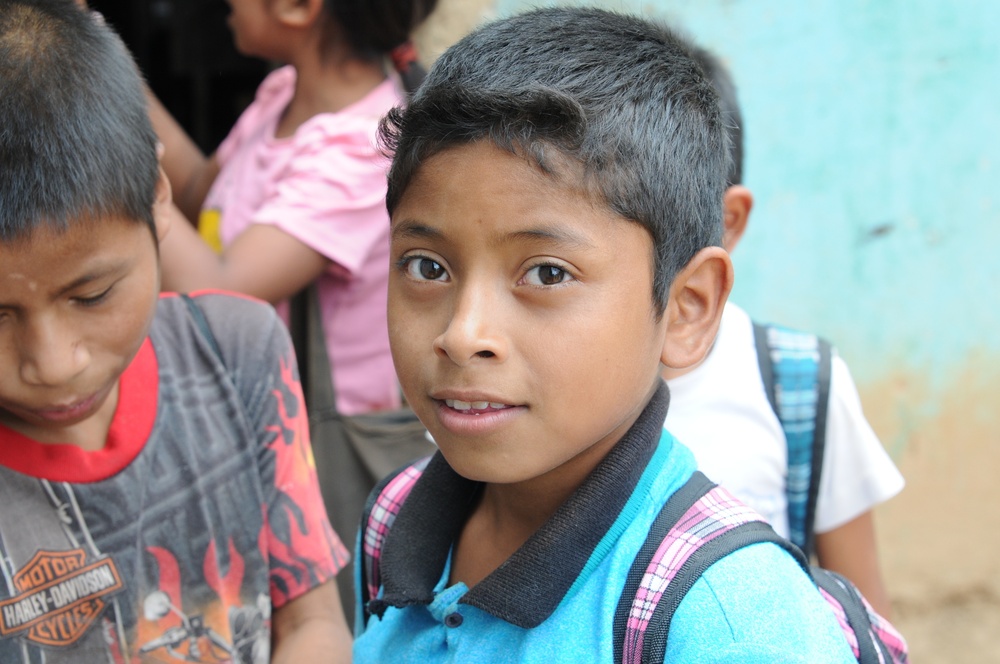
547	275
550	275
422	268
429	269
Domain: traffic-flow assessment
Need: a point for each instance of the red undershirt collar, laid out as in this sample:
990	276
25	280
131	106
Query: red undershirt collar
130	428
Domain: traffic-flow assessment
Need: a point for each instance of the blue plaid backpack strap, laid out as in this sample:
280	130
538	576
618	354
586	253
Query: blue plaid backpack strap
795	368
666	566
383	505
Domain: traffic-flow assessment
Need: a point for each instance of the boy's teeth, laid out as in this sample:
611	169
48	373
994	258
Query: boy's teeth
473	405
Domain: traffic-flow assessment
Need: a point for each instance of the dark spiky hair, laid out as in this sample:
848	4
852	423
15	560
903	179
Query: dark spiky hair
616	94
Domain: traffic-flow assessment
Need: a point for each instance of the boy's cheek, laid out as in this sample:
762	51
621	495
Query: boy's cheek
406	341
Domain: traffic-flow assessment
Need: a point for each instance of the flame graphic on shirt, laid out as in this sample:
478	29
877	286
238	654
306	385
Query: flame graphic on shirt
297	514
199	633
226	586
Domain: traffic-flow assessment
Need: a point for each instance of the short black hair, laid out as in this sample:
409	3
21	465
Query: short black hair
617	94
722	81
76	142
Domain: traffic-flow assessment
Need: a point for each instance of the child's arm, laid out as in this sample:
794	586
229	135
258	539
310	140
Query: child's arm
311	628
857	475
264	262
851	550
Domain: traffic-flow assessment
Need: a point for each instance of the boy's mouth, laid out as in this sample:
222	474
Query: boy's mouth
475	407
69	411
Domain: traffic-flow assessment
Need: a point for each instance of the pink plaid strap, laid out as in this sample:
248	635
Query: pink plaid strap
872	638
889	636
379	520
845	624
700	525
696	515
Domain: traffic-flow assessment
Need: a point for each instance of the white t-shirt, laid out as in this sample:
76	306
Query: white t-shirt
720	410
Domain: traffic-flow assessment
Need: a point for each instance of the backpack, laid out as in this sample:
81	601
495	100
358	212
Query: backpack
700	524
795	369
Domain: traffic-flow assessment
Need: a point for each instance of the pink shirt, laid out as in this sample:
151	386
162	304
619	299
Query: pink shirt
326	187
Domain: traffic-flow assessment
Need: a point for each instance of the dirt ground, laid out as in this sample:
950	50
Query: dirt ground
964	629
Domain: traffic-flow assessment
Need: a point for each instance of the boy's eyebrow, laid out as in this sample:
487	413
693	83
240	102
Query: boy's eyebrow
560	236
414	230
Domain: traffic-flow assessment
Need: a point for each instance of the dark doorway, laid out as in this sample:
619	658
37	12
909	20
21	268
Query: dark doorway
186	52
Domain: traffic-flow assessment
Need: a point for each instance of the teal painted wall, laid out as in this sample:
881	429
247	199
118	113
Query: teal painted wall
873	149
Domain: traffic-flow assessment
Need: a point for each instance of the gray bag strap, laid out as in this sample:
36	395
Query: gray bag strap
309	341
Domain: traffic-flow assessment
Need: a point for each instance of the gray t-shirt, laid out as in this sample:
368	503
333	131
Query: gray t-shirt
201	513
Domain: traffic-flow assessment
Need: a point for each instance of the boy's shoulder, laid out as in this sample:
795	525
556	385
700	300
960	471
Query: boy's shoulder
756	605
707	561
212	300
244	333
226	313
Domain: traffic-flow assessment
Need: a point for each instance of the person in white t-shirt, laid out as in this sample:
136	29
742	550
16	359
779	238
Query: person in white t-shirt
720	410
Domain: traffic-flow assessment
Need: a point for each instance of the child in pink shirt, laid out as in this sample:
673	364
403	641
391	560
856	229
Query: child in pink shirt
295	194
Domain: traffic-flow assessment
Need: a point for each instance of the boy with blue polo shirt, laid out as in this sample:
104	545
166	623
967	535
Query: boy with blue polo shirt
556	204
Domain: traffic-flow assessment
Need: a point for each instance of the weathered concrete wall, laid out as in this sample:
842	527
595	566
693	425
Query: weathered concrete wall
873	129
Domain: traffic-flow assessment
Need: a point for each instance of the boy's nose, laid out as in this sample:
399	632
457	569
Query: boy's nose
474	330
52	357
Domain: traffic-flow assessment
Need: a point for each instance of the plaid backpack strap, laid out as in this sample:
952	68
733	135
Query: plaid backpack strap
872	638
383	505
795	368
701	524
683	542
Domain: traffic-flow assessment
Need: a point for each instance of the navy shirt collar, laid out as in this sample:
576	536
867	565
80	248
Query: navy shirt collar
529	585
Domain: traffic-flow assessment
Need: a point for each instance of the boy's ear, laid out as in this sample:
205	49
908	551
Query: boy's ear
163	204
697	297
736	204
297	13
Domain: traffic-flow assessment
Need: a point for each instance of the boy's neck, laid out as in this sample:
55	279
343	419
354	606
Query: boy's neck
508	514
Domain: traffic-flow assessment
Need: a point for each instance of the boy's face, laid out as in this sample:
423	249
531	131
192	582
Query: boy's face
520	316
75	307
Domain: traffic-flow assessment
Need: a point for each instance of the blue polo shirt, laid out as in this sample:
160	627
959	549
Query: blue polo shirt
555	598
